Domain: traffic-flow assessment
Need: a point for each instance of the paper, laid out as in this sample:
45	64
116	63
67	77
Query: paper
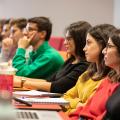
60	101
34	93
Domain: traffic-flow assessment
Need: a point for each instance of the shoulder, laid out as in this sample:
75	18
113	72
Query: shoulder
81	66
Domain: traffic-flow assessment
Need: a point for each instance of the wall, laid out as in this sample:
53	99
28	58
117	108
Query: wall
117	13
61	12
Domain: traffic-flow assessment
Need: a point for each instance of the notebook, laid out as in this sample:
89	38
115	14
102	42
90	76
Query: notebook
35	93
60	101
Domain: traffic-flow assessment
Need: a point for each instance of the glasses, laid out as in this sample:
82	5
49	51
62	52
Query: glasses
69	38
30	29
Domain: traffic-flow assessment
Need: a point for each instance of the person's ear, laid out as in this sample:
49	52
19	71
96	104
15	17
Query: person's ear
43	34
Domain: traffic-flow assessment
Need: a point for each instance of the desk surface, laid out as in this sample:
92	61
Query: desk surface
40	115
52	107
20	89
63	115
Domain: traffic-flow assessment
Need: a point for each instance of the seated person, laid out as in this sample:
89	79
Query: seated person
113	103
10	44
5	33
90	80
76	64
44	60
95	109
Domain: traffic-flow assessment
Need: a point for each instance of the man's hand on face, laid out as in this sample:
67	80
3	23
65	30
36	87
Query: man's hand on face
7	43
25	41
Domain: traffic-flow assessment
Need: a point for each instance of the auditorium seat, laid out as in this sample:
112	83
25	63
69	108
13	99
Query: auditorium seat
57	43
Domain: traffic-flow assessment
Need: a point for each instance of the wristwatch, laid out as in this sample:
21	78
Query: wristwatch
22	81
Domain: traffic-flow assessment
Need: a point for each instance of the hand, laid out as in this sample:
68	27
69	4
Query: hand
17	81
7	43
80	105
25	41
10	62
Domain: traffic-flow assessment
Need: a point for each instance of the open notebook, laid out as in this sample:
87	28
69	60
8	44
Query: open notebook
35	93
60	101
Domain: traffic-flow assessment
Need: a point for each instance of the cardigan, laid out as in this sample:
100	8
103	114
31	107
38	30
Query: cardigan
95	107
80	92
42	63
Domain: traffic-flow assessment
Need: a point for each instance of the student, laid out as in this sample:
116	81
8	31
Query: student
1	27
9	45
44	60
94	109
89	81
6	29
4	35
112	59
66	77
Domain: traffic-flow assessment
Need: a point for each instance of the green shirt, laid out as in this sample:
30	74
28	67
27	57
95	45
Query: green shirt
42	63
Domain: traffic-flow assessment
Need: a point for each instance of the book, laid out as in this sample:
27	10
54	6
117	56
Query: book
35	93
59	101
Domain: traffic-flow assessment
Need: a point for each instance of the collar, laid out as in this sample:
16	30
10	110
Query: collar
40	49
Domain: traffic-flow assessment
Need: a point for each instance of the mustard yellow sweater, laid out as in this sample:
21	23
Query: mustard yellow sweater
79	94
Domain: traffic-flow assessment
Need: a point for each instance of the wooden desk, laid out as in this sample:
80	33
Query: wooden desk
20	89
52	107
41	115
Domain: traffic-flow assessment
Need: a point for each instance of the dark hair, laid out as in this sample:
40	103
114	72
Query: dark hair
115	37
20	23
101	34
43	24
2	21
78	32
7	21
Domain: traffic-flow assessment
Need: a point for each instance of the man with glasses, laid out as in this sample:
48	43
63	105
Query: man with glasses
44	60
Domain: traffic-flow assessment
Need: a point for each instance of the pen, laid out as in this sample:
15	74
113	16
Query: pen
22	101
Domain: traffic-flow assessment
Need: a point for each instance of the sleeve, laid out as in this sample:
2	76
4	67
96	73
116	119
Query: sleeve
52	78
68	81
39	66
72	95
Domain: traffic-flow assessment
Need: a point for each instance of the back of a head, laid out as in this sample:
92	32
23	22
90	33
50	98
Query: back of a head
78	31
20	23
43	24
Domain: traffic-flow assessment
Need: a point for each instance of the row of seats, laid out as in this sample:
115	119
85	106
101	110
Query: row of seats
57	43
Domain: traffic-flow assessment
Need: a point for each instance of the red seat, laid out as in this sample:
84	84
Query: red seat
57	43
